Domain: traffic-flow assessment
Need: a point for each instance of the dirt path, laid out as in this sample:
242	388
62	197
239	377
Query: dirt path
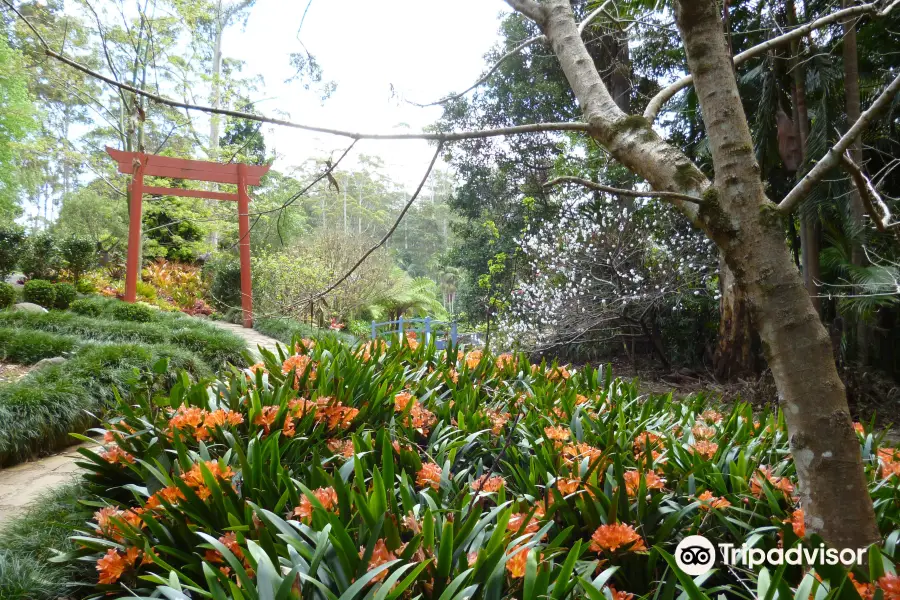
25	482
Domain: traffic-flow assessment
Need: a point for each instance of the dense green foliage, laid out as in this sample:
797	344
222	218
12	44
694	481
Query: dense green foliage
284	330
400	470
65	295
40	258
28	542
40	291
139	313
79	255
27	346
7	295
11	239
16	122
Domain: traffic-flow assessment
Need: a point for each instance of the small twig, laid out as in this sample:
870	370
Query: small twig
622	192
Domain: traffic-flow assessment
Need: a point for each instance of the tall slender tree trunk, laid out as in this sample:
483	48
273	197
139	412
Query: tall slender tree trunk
738	217
810	228
857	211
736	351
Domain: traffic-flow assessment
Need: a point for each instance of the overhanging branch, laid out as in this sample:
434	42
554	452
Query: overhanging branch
871	199
355	135
623	192
666	94
833	157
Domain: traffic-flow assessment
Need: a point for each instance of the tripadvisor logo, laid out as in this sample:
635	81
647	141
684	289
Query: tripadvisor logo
696	555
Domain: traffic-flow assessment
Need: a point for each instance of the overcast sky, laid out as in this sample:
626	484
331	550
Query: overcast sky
424	48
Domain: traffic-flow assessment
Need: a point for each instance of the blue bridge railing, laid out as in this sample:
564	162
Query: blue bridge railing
426	330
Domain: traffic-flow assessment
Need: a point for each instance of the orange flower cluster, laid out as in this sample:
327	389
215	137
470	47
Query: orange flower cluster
201	423
229	540
488	484
617	535
429	475
342	447
798	523
575	453
167	495
518	559
518	525
890	462
473	358
114	454
380	556
299	363
651	480
782	484
370	349
703	432
114	563
889	585
415	416
326	496
558	433
710	502
567	486
109	529
705	448
617	595
711	416
256	368
498	420
560	373
505	360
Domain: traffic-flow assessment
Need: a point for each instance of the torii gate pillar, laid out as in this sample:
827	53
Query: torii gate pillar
139	165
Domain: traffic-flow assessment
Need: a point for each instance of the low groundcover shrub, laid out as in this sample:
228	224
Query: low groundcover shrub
340	472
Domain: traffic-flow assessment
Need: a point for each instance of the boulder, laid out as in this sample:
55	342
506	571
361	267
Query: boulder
28	307
56	360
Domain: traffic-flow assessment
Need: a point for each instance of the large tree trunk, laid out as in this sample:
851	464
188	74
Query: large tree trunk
737	215
857	211
736	350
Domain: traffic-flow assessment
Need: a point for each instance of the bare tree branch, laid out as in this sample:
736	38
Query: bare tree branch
666	94
869	195
437	137
622	192
538	38
833	157
384	239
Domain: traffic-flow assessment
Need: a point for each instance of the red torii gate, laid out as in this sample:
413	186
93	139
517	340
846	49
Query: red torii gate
139	164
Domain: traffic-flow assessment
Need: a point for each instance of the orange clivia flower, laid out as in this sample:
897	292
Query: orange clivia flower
380	556
708	501
617	535
194	477
266	417
402	400
705	448
890	585
651	480
498	420
515	564
645	440
505	360
858	427
429	475
342	447
488	484
782	484
326	496
567	486
114	563
114	454
711	416
558	433
798	523
518	524
617	595
301	365
473	358
703	432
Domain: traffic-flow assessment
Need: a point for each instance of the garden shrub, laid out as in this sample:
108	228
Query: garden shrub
224	275
137	312
65	294
79	255
25	347
7	295
40	258
12	239
87	307
404	473
284	330
29	542
40	291
216	347
85	286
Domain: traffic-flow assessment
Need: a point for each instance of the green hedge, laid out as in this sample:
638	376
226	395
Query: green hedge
26	347
284	330
213	345
27	544
38	412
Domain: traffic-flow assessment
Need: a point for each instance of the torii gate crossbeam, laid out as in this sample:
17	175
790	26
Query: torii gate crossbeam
138	165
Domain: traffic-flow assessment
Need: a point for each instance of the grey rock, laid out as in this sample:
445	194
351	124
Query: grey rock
56	360
29	307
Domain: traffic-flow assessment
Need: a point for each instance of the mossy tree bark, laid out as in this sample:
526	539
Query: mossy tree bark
746	227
